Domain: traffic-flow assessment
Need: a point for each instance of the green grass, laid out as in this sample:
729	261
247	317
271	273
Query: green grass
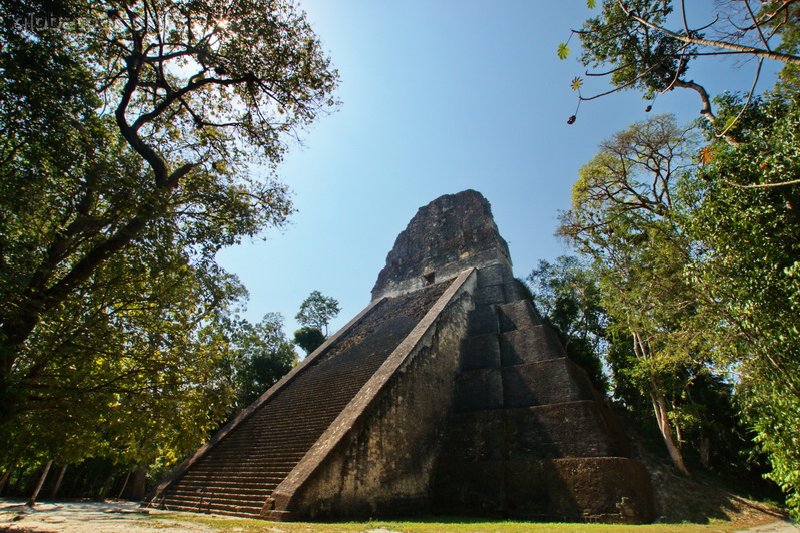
433	526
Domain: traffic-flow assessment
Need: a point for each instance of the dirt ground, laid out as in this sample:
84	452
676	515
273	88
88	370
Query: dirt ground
128	517
87	517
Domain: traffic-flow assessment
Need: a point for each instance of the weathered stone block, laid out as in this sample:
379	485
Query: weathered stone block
491	294
515	291
529	345
475	488
475	436
575	429
449	235
480	351
482	319
496	274
545	382
603	489
517	315
478	389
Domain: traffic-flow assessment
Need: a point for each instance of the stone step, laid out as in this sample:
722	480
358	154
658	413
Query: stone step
517	315
262	462
530	344
263	449
480	351
279	449
230	485
192	490
545	382
213	508
251	476
220	497
482	320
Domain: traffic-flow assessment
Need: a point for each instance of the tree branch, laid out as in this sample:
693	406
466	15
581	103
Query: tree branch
760	52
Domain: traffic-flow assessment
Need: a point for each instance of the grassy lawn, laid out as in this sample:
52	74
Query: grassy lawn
435	526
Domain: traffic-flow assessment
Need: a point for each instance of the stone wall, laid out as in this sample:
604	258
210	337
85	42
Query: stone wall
384	460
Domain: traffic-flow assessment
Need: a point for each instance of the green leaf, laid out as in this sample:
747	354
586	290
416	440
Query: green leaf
563	51
576	84
591	4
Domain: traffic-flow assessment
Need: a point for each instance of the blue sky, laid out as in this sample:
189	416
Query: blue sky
439	96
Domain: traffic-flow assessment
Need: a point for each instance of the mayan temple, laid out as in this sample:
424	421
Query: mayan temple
445	395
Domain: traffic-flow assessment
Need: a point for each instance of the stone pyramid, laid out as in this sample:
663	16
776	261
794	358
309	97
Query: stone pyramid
446	395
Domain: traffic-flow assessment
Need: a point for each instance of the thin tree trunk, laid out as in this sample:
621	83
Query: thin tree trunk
7	476
35	494
122	490
660	409
106	486
139	484
705	452
58	482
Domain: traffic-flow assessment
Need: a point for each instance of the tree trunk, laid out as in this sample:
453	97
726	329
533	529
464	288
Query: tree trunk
139	484
35	494
58	482
7	476
660	408
106	486
705	452
124	485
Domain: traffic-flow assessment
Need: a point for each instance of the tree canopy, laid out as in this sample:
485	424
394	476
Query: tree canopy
317	310
650	45
309	339
694	234
128	135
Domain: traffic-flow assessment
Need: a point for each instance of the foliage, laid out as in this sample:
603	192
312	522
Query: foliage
126	134
750	259
640	57
649	45
317	310
568	296
262	355
309	339
734	215
157	108
625	217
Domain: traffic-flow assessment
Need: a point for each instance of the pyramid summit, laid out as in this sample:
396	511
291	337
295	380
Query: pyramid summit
445	237
447	394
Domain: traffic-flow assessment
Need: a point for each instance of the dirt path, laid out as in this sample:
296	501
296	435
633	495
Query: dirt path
88	517
781	526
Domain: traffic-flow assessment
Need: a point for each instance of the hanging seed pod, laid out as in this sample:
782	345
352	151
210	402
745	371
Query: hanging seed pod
648	109
571	119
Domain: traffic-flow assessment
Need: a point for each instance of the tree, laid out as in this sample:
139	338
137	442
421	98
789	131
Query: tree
643	45
738	208
309	339
262	355
623	216
317	310
159	106
128	369
748	217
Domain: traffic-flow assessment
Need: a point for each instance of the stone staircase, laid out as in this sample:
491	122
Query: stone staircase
238	474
